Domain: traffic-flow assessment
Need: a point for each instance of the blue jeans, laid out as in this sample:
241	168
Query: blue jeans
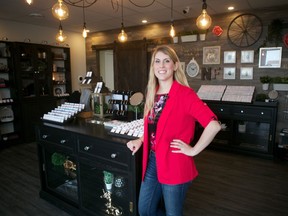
153	193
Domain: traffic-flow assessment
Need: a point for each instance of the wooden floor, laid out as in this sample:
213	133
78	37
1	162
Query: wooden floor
228	185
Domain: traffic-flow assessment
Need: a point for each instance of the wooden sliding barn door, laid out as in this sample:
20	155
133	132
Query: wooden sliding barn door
130	66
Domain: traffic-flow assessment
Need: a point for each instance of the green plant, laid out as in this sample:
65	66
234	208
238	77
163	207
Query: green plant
265	79
195	32
58	159
183	33
283	80
108	177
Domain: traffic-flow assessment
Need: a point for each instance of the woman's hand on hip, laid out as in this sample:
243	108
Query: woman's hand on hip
181	147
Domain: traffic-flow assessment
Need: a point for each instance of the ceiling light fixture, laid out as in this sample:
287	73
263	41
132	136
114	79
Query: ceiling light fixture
60	10
61	37
230	8
29	2
84	32
172	30
122	37
204	21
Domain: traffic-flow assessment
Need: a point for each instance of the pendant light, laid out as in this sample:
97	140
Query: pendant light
85	31
29	2
60	10
204	21
122	37
60	37
172	30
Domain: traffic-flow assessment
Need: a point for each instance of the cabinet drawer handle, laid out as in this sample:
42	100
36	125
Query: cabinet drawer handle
262	113
86	148
113	155
242	111
221	109
62	141
44	136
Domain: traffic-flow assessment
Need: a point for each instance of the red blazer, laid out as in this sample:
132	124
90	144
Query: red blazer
177	121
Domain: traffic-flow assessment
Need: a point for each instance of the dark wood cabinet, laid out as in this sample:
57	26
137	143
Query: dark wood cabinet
61	73
94	154
43	77
9	105
247	128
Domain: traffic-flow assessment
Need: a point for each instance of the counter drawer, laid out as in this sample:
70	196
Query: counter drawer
104	150
260	113
56	137
220	109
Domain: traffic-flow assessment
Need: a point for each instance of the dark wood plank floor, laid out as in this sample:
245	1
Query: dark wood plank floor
228	185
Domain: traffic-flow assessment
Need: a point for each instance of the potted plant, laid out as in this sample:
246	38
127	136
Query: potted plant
61	160
280	83
265	80
108	180
241	127
202	34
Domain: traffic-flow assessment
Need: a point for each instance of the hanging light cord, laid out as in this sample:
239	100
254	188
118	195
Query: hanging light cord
84	14
122	14
172	19
204	6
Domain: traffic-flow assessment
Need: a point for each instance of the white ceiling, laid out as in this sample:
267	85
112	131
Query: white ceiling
101	16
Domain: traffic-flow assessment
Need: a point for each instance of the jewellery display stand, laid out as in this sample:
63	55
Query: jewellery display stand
119	102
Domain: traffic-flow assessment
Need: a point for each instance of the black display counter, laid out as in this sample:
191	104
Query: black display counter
86	171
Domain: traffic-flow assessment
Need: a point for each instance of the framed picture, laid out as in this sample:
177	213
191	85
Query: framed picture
229	56
59	90
270	57
247	56
246	73
211	55
229	73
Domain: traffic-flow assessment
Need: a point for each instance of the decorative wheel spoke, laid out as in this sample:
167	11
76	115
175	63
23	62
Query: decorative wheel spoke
245	30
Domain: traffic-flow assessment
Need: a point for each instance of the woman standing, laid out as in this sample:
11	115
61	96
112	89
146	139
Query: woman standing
171	111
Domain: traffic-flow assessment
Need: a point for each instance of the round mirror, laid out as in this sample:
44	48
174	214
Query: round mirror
136	99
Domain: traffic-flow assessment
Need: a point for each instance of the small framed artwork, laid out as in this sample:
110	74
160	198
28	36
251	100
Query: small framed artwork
229	73
229	56
247	56
211	55
246	73
270	57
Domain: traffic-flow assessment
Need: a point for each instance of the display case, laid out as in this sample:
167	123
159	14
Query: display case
58	166
33	70
61	72
103	177
119	102
105	180
100	104
246	127
9	113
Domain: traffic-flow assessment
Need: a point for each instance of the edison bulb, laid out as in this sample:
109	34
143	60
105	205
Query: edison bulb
60	10
122	37
204	21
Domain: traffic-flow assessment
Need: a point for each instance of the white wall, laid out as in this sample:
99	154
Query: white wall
37	34
106	68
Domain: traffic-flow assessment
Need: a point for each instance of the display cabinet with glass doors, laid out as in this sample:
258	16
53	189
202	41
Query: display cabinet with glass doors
247	127
9	113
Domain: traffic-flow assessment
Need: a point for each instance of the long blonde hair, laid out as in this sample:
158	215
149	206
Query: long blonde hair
179	76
